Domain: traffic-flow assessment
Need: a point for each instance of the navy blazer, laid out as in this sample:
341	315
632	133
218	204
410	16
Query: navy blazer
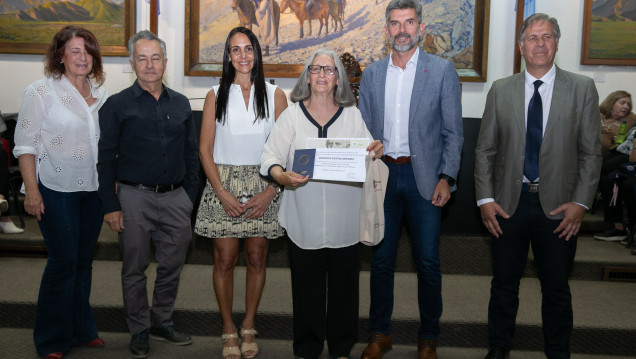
435	117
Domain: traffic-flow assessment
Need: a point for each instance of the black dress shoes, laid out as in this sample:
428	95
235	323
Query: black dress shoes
498	353
139	346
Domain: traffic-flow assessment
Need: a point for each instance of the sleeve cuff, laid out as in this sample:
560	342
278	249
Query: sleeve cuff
484	201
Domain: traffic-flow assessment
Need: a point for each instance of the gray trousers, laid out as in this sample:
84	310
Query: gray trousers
163	219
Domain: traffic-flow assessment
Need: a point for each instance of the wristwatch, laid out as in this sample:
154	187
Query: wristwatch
449	179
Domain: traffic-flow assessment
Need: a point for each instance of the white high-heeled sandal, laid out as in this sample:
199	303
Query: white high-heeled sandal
230	351
10	228
249	347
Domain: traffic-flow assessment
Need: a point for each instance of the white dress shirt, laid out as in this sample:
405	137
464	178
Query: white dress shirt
545	91
57	126
397	103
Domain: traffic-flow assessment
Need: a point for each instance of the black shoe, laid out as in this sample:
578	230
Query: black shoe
170	335
498	353
611	235
139	346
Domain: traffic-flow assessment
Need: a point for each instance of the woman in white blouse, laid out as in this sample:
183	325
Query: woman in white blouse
321	217
237	203
56	145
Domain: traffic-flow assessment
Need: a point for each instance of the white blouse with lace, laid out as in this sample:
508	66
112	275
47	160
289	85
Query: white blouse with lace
57	126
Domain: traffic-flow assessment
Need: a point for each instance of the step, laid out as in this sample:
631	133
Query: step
18	343
459	254
603	322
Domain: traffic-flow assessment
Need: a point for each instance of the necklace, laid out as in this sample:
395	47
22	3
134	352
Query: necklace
609	125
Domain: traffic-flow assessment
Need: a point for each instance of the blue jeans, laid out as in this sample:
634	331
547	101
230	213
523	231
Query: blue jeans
403	201
70	228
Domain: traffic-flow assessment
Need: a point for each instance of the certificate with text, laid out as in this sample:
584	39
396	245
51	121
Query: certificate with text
333	159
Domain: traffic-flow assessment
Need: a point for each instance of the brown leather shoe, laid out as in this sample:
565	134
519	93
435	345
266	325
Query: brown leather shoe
378	345
426	349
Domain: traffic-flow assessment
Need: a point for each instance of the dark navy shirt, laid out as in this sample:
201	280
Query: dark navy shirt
148	141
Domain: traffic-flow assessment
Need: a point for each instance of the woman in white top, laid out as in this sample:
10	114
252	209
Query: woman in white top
237	203
56	145
321	217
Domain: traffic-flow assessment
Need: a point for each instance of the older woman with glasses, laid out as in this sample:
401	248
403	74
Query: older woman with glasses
321	217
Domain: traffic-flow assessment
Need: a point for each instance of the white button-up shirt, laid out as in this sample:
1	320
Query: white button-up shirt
57	126
397	103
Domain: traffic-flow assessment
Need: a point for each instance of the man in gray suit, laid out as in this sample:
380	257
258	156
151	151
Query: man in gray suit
411	102
537	165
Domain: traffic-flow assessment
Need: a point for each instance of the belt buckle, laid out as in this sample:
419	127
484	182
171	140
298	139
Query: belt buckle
533	187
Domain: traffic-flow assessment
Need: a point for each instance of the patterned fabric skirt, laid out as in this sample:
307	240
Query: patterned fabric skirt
243	182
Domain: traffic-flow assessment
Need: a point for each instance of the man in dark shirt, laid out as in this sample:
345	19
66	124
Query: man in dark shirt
148	179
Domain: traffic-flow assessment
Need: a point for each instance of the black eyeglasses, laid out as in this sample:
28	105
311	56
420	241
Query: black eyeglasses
315	69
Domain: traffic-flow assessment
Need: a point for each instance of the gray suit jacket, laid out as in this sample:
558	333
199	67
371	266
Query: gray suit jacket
570	155
435	117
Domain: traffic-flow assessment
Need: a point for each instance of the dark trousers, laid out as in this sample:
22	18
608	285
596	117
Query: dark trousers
164	220
611	162
403	202
4	175
553	257
70	228
325	292
628	190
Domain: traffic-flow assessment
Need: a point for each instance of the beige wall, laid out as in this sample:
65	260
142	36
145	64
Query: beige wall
17	71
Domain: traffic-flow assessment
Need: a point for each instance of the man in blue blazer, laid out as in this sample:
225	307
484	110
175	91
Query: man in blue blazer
410	101
537	165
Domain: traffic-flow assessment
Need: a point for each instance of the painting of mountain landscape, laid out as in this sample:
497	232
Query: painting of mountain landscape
27	26
608	33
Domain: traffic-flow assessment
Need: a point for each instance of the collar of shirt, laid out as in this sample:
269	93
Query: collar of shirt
412	61
137	90
548	78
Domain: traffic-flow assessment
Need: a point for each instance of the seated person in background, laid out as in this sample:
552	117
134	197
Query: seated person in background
6	224
615	109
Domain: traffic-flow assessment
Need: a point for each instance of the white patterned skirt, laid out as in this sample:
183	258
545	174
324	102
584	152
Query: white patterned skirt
243	182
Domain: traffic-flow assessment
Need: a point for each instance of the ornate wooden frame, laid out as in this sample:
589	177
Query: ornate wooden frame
194	67
586	59
110	50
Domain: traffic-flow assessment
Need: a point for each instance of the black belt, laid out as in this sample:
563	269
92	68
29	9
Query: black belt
530	187
160	188
398	161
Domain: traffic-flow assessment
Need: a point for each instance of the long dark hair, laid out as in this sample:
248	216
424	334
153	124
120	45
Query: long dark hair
53	66
261	107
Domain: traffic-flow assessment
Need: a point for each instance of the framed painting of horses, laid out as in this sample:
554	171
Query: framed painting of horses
27	26
608	33
292	30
